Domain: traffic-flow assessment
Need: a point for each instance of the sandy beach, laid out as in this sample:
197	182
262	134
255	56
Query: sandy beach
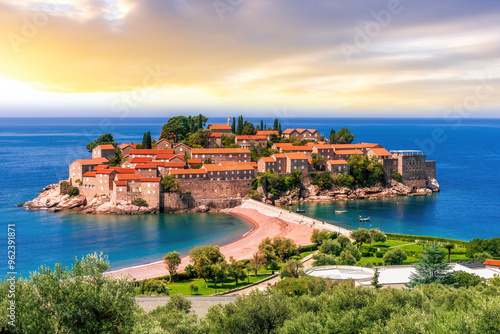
243	248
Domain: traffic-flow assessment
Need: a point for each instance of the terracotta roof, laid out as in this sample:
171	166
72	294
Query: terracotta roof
157	163
490	262
282	144
173	164
150	151
219	127
89	174
297	148
220	150
310	161
90	162
163	139
150	179
348	152
105	171
381	152
218	168
120	183
353	146
100	167
323	147
187	171
229	163
251	137
145	166
140	160
287	131
122	146
106	147
194	161
296	156
267	133
279	155
216	135
126	171
337	162
126	177
370	145
268	159
165	156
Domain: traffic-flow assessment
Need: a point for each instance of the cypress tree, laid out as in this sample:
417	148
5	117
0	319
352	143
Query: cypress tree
279	129
275	125
233	126
200	122
262	124
144	140
148	140
190	124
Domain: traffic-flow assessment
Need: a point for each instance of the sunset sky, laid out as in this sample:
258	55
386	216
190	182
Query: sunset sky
335	58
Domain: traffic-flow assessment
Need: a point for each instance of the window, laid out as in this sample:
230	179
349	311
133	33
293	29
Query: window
149	192
100	181
154	192
149	185
150	169
121	189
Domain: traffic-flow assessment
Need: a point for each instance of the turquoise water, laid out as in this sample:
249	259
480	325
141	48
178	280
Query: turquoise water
36	152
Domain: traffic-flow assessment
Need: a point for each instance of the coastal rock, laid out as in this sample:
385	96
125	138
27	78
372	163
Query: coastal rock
309	190
50	196
73	202
432	184
399	188
201	208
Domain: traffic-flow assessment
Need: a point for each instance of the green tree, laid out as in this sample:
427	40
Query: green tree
176	128
319	162
267	250
228	140
318	236
332	247
460	278
449	246
360	236
172	262
322	259
233	126
377	236
343	136
367	172
375	282
397	177
248	128
117	159
105	139
284	247
346	258
431	268
208	261
170	184
279	130
275	124
395	256
258	261
146	141
200	122
236	270
292	268
323	181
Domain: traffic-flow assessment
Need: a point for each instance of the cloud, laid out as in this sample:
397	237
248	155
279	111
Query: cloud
285	51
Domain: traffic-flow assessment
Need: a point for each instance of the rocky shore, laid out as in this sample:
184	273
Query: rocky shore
310	192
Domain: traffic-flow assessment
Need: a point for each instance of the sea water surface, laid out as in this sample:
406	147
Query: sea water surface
35	152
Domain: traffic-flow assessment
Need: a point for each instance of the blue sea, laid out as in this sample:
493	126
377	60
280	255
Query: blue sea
35	152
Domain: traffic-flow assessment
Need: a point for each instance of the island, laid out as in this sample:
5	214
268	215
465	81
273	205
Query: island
193	167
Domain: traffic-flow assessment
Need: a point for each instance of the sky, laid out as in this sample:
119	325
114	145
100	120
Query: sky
366	58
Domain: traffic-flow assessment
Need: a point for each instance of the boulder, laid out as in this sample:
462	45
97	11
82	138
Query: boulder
432	184
72	202
49	197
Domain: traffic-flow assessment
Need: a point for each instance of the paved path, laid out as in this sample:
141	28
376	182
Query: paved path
199	304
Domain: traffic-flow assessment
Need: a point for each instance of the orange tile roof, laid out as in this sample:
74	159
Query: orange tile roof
310	161
287	131
89	174
216	135
348	152
267	132
105	171
490	262
140	160
296	156
164	139
369	145
106	147
381	152
268	159
150	179
173	164
323	147
100	167
165	156
90	162
220	150
251	137
122	146
219	127
226	168
150	151
127	177
337	162
187	171
194	161
279	155
229	163
126	171
145	166
297	148
120	183
282	144
353	146
157	163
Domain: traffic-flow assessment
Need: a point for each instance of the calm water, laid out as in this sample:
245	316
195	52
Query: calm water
36	152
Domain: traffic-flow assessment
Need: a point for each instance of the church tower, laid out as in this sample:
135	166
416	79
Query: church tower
228	120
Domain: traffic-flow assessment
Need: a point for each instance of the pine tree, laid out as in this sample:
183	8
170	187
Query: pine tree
233	126
190	124
279	129
200	122
262	124
431	268
148	140
275	125
239	129
144	140
375	283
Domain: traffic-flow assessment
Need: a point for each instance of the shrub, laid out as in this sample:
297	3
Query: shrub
155	286
379	254
254	194
169	184
74	192
140	202
397	177
308	248
65	188
190	271
395	256
193	288
365	254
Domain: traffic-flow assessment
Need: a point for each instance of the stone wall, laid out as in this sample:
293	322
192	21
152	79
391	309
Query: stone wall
215	190
430	169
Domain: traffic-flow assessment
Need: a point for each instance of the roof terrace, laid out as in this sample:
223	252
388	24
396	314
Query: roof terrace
406	152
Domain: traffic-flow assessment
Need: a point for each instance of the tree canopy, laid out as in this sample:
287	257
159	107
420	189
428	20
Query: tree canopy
367	172
343	136
105	139
431	268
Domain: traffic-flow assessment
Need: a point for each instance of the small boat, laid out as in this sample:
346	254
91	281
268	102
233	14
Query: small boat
361	219
300	211
340	211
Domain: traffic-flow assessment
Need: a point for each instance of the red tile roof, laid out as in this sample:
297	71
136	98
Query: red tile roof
279	155
337	162
353	146
165	156
218	168
157	163
106	147
287	131
122	146
219	127
105	171
267	133
90	162
126	177
120	183
348	152
381	152
100	167
173	164
323	147
220	150
278	145
251	137
296	156
194	161
229	163
145	166
268	159
140	160
89	174
490	262
150	179
216	135
150	151
297	148
187	171
126	171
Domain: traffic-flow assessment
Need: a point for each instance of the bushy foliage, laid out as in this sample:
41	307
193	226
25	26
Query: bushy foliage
341	180
367	172
459	279
361	235
323	180
180	127
322	259
208	262
172	261
319	162
397	177
292	268
140	202
395	256
318	236
155	286
105	139
65	188
343	136
490	246
74	192
255	195
277	184
170	184
431	268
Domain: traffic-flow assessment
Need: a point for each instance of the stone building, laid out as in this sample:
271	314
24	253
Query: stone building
337	166
324	150
380	153
217	172
181	149
166	167
164	144
310	134
220	128
412	166
245	141
307	150
346	154
79	167
297	161
103	151
215	140
125	148
222	154
147	170
132	162
267	133
148	153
